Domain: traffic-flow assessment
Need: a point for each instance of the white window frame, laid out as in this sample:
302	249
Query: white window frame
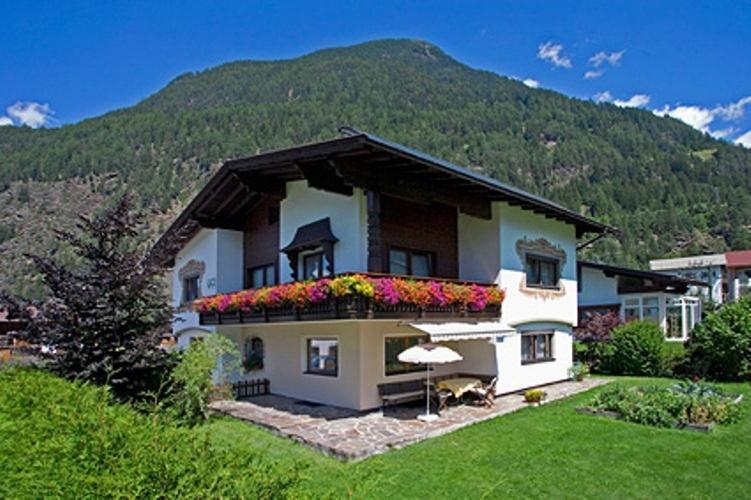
304	356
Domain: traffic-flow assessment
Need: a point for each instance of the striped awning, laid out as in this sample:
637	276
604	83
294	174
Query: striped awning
461	330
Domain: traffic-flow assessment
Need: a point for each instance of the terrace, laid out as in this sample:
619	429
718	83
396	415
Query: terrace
355	296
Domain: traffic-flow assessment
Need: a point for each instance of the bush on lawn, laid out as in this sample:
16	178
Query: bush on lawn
592	338
637	348
68	440
720	346
192	380
674	359
690	402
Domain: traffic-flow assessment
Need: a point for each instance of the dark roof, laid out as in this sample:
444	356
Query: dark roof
357	159
312	235
666	279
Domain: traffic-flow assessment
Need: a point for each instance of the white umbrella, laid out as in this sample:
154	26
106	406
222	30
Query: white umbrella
428	354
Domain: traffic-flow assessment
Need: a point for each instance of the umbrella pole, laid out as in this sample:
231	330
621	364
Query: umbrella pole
427	393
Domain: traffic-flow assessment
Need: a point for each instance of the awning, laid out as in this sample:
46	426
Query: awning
312	235
461	330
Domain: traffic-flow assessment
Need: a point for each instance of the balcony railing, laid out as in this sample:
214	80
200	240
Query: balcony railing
354	296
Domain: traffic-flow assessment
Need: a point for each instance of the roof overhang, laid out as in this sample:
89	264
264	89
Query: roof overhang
661	281
357	160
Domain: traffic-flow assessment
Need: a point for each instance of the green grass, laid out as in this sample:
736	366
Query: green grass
60	439
550	451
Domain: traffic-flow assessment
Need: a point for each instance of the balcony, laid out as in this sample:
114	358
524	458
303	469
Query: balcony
354	296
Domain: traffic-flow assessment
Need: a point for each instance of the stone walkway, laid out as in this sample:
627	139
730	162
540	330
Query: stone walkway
352	435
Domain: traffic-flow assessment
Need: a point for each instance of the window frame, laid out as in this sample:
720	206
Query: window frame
410	252
412	367
549	346
321	373
539	259
264	267
320	257
191	277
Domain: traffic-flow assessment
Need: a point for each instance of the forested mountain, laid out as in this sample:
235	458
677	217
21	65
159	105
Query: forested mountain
670	188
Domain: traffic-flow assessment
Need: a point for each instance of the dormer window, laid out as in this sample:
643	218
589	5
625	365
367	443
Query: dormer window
314	266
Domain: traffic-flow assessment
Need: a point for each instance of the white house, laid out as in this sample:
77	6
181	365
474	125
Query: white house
636	294
361	204
728	274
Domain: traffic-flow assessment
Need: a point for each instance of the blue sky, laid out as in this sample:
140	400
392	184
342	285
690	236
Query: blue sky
61	62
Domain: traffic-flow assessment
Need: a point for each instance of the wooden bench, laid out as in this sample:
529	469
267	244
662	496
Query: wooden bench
400	392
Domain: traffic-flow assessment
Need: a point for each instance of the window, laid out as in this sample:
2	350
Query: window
313	266
411	262
537	347
323	356
542	272
253	354
393	346
262	276
647	308
191	289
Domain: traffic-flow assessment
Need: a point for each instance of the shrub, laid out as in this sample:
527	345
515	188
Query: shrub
668	407
578	371
534	395
193	381
64	439
592	338
637	348
674	359
720	346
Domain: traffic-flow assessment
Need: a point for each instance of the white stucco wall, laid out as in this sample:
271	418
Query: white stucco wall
597	289
514	376
220	250
479	247
523	306
304	205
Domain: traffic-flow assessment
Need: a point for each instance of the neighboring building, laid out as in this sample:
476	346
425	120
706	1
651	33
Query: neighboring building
366	205
728	274
635	294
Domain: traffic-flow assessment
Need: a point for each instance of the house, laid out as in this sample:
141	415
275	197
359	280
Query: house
728	274
636	294
373	211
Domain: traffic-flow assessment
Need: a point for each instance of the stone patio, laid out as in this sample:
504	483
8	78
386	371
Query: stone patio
352	435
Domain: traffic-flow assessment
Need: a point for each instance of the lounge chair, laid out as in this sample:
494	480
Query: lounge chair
486	394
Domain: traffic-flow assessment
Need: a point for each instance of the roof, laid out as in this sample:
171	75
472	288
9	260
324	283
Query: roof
666	279
741	258
357	159
717	259
312	235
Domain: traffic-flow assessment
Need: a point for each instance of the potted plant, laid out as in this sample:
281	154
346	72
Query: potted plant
578	371
534	396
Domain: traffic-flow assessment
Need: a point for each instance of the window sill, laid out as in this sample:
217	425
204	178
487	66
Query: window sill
537	361
321	374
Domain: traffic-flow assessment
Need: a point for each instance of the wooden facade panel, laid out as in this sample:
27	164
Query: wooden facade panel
423	227
261	237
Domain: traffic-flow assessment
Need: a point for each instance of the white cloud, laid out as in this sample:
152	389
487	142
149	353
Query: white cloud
635	101
553	53
531	83
744	140
32	114
4	121
593	74
614	58
701	118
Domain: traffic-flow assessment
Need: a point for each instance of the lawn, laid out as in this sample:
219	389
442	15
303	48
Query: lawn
61	440
550	451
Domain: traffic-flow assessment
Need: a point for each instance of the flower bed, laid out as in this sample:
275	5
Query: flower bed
382	292
692	405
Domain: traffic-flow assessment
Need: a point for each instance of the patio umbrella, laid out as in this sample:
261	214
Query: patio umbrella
428	354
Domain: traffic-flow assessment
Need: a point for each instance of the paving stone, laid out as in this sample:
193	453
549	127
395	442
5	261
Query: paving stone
352	435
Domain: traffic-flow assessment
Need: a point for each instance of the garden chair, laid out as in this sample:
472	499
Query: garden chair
486	395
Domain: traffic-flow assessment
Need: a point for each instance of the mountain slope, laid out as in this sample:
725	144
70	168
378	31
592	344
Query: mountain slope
670	188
